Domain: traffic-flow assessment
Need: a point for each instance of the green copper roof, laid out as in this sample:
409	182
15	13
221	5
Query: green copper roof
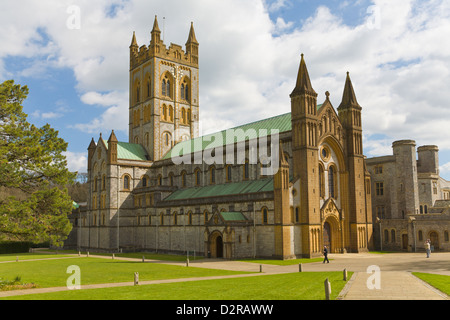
233	216
244	132
227	189
129	151
261	128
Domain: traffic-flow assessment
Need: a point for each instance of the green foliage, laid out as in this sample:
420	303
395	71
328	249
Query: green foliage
31	162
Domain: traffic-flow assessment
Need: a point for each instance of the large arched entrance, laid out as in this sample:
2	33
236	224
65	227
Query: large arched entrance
216	245
327	235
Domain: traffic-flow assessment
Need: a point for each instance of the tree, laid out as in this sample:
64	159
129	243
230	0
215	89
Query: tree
31	162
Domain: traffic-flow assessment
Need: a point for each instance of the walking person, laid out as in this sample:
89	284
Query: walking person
325	253
428	247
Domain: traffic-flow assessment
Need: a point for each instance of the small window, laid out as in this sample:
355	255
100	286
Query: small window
197	177
144	181
126	182
205	216
246	170
183	179
264	215
228	173
379	188
212	172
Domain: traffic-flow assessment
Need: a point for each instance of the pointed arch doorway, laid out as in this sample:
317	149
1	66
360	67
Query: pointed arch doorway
327	235
216	244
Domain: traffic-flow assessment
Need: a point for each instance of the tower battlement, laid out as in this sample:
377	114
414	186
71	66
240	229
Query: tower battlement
157	48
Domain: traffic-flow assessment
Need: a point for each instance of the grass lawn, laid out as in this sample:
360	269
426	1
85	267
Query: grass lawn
29	256
137	255
292	286
440	282
52	273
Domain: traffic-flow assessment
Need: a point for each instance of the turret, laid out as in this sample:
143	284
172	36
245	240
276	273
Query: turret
112	148
192	45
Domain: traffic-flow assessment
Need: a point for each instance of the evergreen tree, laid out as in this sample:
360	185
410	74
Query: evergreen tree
32	162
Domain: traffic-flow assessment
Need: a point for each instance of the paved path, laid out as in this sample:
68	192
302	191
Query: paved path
394	280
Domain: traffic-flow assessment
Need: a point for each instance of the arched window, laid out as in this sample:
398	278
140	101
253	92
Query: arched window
183	116
212	174
148	87
138	98
265	217
332	177
321	182
190	218
246	170
159	180
205	216
161	219
164	112
175	218
126	182
182	91
420	235
103	182
144	181
171	179
197	174
386	236
392	235
170	113
183	179
228	173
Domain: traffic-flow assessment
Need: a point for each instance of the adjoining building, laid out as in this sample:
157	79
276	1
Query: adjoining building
410	202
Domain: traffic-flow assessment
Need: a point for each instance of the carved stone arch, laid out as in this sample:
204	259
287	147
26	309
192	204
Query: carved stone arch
167	84
337	148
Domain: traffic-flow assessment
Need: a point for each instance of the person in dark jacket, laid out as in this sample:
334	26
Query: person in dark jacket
325	253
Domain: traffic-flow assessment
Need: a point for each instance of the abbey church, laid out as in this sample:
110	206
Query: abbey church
143	198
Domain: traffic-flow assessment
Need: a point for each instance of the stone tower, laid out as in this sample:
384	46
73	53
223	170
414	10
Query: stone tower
350	116
405	198
305	154
164	93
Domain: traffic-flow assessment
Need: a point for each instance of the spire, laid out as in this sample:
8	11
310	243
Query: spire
303	82
92	145
112	137
192	38
349	97
155	25
156	33
133	41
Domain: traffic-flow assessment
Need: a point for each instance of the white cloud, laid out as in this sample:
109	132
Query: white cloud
248	63
76	161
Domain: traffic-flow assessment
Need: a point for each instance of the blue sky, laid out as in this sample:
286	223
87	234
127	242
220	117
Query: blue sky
77	70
